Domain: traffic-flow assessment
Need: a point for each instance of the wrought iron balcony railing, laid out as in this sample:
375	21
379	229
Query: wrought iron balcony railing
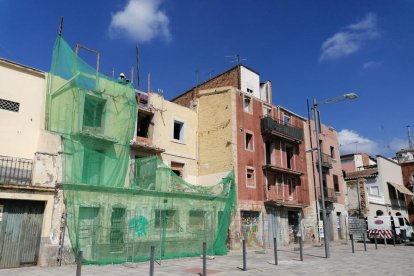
273	126
16	171
329	194
326	160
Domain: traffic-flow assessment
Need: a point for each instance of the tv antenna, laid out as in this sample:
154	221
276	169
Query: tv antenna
235	58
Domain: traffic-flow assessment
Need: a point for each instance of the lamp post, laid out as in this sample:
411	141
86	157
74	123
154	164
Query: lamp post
349	96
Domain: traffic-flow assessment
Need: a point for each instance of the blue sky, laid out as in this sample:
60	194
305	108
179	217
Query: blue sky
308	49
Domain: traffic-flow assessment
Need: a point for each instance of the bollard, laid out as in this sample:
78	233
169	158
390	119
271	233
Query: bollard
244	255
365	242
376	244
385	241
152	253
352	242
79	263
301	248
204	259
275	249
393	237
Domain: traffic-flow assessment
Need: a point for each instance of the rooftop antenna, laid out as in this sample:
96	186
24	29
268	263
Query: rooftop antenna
236	58
410	141
138	72
209	74
61	26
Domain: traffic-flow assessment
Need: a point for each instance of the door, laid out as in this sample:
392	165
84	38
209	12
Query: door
88	230
20	231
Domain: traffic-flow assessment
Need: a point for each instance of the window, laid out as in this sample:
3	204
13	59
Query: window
250	178
374	190
196	220
167	218
248	141
332	152
292	186
9	105
178	168
178	130
247	104
336	183
267	111
269	152
289	157
286	119
143	125
92	167
93	112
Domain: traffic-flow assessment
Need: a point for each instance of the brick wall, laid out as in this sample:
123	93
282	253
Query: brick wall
228	78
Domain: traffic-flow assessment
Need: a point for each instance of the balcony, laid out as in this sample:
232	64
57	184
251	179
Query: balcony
326	161
144	146
277	169
15	171
283	195
270	126
329	194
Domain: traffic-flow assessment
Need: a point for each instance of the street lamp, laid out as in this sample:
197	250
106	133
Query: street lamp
349	96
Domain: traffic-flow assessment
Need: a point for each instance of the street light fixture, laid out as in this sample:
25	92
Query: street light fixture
349	96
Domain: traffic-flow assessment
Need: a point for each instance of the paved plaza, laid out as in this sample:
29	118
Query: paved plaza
386	260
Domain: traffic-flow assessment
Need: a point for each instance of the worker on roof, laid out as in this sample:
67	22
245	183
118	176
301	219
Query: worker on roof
121	78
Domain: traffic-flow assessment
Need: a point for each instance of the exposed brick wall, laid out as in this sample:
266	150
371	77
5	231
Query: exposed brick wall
228	78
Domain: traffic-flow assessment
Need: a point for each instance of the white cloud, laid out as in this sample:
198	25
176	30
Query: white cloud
397	144
350	39
352	142
370	64
141	21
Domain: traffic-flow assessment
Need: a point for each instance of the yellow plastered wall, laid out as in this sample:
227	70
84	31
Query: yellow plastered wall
216	117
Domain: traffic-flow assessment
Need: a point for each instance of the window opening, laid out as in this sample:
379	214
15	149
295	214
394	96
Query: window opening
336	182
178	130
144	121
289	157
247	104
249	141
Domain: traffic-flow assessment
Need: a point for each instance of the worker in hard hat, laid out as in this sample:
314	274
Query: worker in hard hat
121	78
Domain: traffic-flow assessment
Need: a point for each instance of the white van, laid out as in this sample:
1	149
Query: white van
384	227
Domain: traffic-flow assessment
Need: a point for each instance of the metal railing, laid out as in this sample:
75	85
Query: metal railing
329	194
326	160
268	124
17	171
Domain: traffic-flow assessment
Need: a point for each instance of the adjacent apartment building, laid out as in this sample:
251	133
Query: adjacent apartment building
375	189
29	169
334	186
405	158
240	129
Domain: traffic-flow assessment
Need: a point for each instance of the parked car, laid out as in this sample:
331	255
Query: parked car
384	227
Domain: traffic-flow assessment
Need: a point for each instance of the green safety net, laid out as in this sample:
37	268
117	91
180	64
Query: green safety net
118	207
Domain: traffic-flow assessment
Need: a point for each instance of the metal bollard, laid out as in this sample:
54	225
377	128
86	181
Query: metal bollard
352	242
204	259
275	249
376	244
79	263
385	241
365	241
301	248
152	254
393	237
244	255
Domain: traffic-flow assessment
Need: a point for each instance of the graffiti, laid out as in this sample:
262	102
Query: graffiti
250	230
139	225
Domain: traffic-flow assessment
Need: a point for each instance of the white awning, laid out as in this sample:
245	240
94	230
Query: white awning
401	188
